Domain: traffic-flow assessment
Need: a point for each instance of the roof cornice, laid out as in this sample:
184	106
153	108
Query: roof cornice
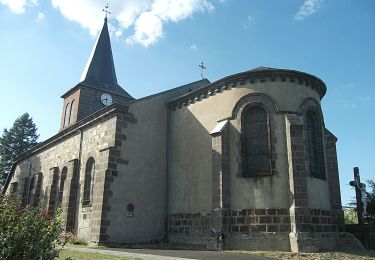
98	116
251	76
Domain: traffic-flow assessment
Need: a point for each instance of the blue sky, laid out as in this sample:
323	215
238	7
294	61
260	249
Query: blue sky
158	44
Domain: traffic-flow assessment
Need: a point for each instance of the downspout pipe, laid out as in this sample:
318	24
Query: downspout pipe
78	177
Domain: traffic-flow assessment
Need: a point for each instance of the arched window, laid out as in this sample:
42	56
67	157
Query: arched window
89	181
67	114
63	176
38	189
256	142
314	133
71	113
31	188
53	192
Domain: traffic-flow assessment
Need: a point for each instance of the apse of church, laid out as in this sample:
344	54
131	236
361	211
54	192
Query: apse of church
244	162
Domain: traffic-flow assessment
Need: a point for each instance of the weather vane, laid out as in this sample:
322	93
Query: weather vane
106	10
202	69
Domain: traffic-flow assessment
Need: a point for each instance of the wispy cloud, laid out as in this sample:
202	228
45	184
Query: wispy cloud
349	85
18	6
308	8
41	16
367	98
193	47
249	21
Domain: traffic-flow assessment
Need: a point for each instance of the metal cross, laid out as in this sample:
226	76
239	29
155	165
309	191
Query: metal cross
106	10
202	68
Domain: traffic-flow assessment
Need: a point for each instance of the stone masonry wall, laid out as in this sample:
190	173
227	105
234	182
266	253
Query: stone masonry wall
333	180
196	228
63	150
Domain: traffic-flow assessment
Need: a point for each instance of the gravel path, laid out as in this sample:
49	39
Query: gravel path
158	254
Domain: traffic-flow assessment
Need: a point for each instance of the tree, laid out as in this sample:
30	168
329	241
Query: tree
15	142
370	198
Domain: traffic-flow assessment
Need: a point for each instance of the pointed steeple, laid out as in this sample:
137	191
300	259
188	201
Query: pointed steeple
100	71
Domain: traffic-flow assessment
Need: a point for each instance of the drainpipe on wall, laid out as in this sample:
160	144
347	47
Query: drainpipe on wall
80	150
78	177
167	197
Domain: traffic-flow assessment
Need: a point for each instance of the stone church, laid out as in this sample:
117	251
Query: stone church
244	162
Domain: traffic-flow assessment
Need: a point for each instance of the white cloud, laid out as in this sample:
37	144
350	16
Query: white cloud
148	29
308	8
41	16
118	33
146	17
193	47
85	12
18	6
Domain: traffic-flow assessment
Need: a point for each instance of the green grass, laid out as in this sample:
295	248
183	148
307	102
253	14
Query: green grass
355	255
76	255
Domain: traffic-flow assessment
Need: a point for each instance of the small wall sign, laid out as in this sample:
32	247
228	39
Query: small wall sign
130	210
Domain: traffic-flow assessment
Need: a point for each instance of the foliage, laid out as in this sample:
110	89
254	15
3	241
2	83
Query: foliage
350	216
370	200
74	239
27	232
370	197
15	142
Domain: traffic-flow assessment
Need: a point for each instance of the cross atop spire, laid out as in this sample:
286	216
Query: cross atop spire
106	10
100	71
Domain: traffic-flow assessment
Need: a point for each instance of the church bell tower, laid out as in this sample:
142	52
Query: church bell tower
98	85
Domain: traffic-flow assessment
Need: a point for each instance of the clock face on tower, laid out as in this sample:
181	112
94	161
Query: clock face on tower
106	99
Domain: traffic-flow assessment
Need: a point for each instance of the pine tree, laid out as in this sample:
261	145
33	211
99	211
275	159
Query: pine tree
15	142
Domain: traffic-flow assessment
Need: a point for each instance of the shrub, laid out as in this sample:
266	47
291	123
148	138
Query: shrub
77	240
27	232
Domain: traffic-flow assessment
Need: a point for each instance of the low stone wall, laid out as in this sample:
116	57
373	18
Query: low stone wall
252	229
365	234
256	220
190	229
234	229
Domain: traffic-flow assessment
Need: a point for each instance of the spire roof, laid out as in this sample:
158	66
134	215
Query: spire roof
100	71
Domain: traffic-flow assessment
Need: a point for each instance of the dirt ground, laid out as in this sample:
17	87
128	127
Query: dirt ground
358	255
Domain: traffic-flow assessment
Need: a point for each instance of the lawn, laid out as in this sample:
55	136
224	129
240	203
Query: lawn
75	255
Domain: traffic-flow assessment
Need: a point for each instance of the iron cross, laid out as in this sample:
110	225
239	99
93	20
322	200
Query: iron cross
202	68
106	10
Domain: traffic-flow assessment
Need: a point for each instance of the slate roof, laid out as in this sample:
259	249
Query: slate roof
99	71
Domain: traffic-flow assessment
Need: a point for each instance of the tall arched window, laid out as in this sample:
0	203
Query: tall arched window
71	113
63	176
314	133
38	189
89	181
31	188
256	142
67	114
